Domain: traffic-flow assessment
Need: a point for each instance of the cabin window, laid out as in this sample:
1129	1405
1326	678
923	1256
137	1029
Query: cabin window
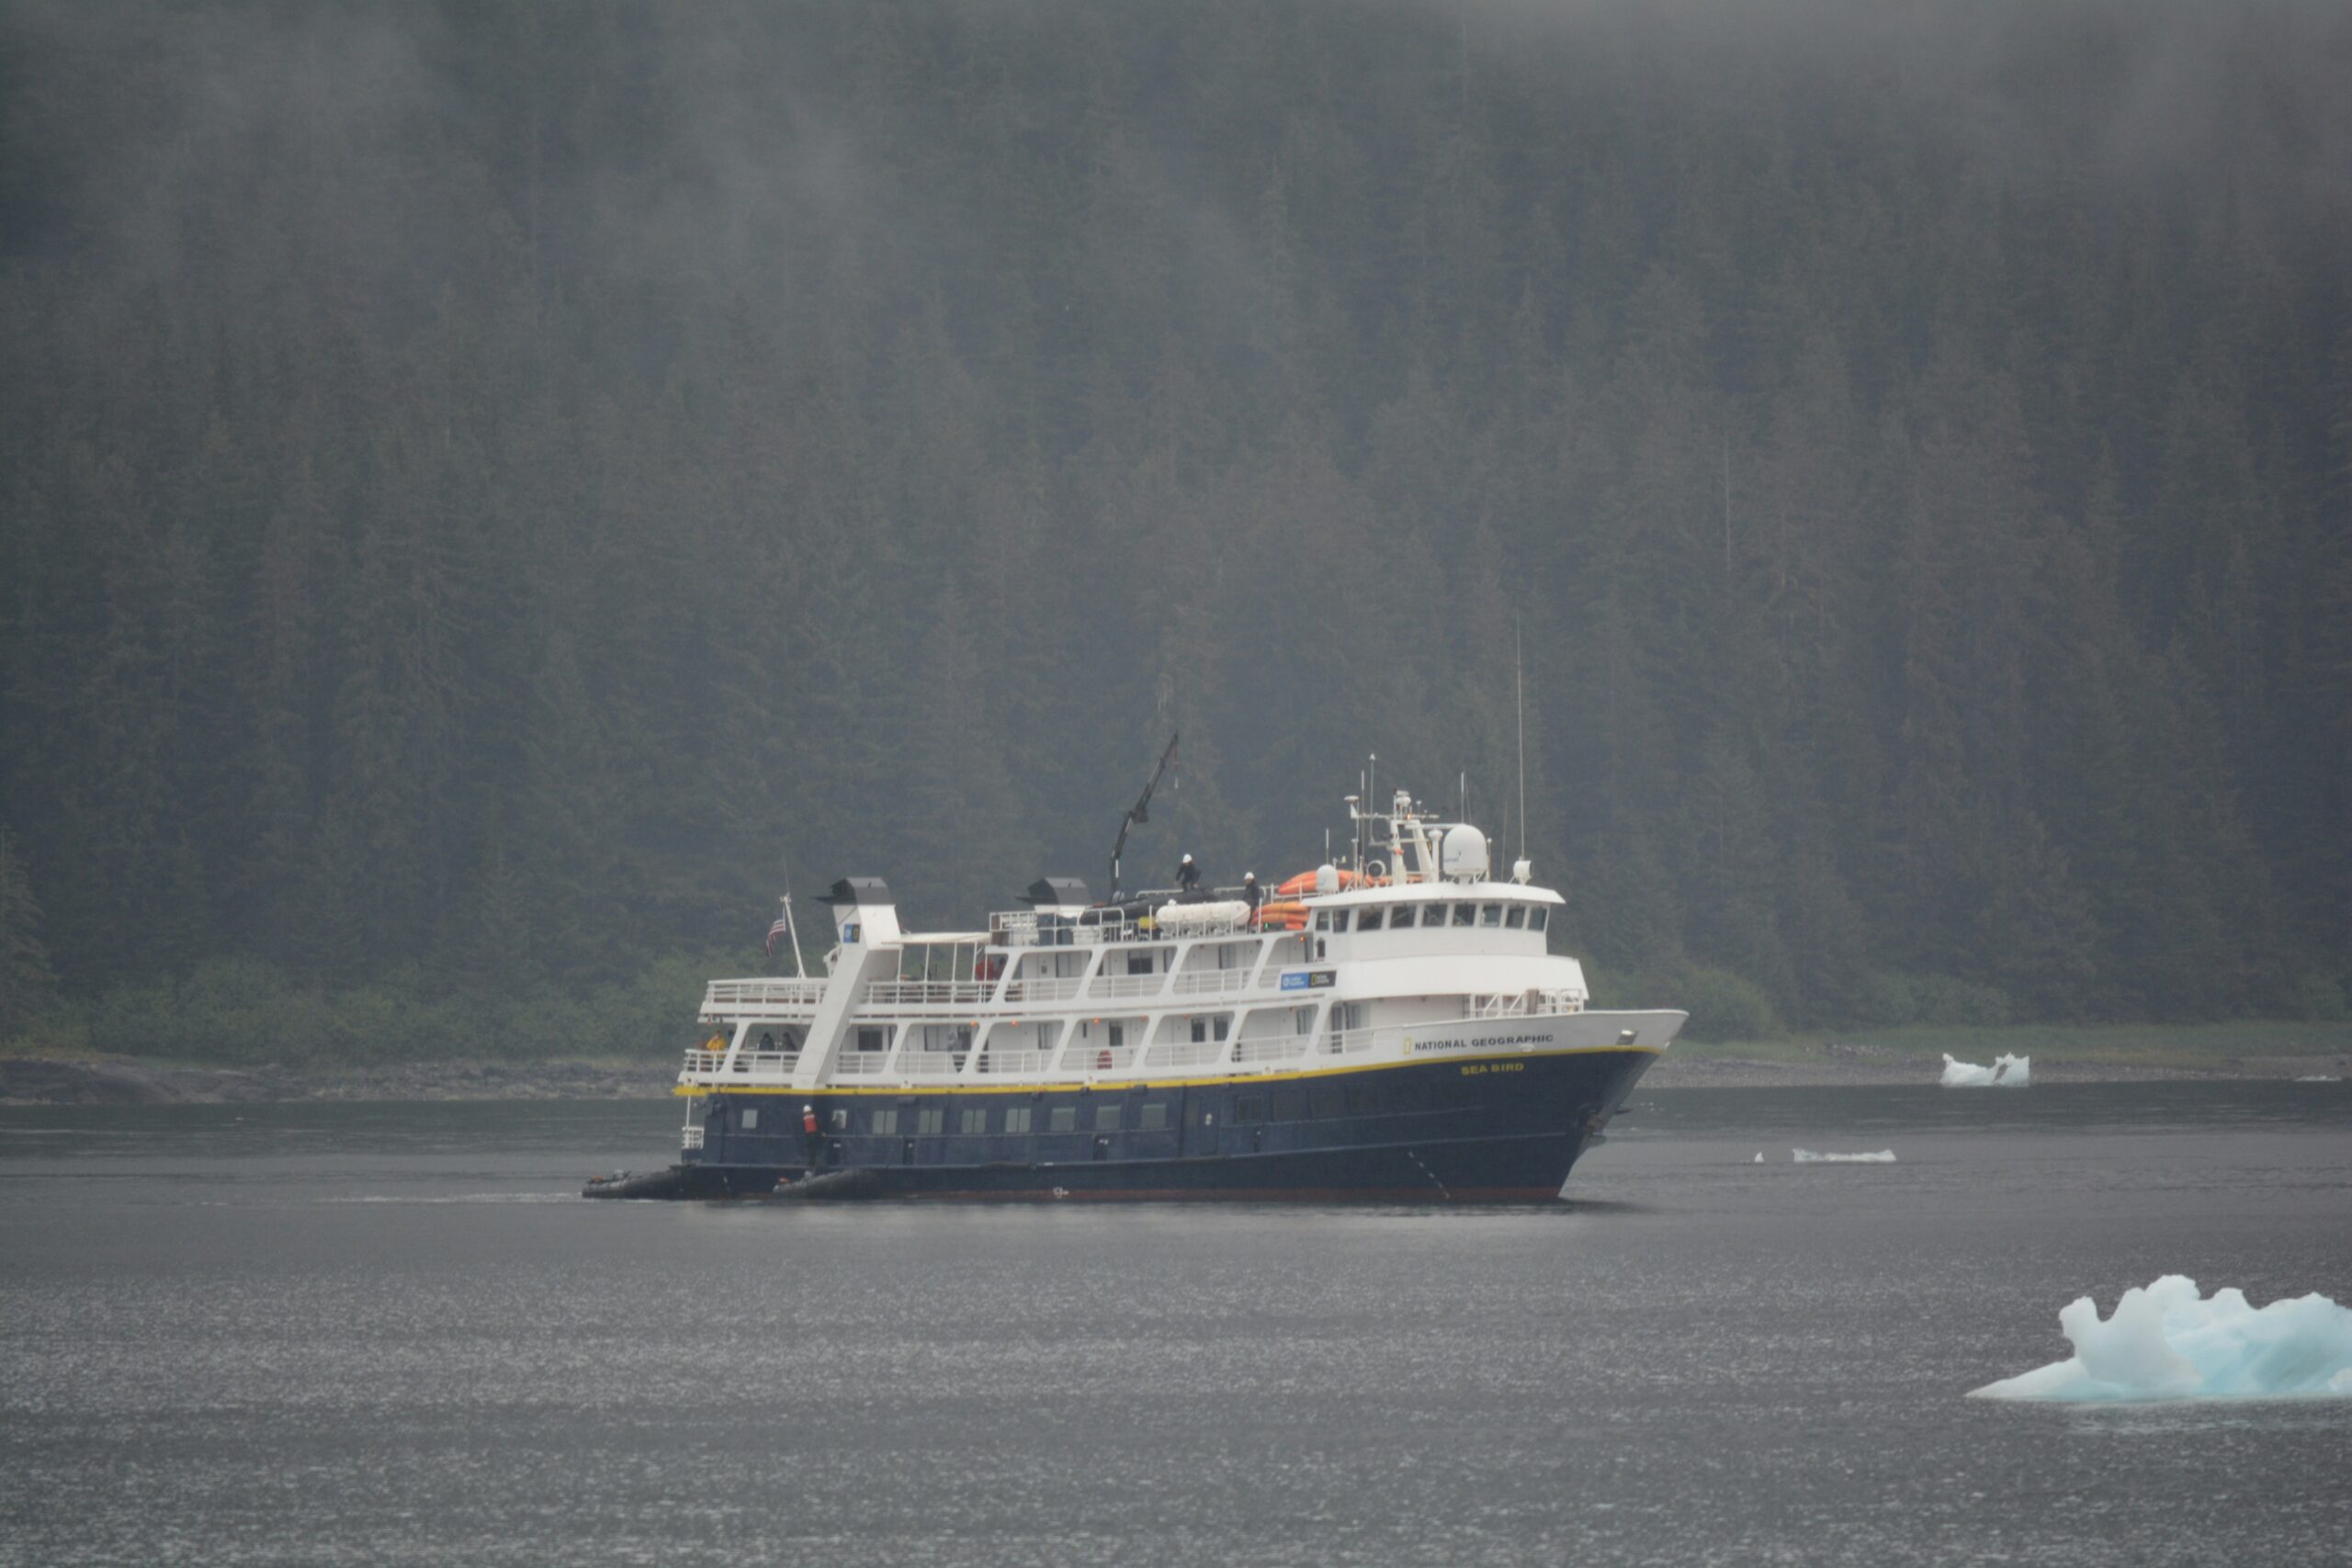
1223	1025
1465	914
1490	914
971	1120
1138	963
867	1039
840	1120
1152	1118
1537	917
750	1117
883	1124
1517	918
1106	1117
1016	1118
931	1121
1248	1108
1062	1119
1118	1035
1368	920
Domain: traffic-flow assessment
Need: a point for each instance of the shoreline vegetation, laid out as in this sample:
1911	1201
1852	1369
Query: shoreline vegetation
2061	1053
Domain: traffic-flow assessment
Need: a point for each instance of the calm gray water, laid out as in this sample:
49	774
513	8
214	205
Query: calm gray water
390	1335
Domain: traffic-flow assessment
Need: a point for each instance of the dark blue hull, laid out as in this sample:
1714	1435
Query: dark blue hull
1494	1129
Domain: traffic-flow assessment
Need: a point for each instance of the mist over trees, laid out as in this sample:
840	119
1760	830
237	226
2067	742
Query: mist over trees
485	490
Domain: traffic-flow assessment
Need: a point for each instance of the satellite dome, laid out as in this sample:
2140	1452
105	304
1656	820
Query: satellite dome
1462	856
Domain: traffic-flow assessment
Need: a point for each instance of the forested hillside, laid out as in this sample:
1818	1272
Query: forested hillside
486	489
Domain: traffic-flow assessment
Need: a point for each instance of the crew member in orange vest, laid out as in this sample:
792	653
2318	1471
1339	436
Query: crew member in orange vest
808	1134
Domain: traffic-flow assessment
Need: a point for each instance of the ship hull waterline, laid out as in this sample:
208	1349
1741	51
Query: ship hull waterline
1488	1129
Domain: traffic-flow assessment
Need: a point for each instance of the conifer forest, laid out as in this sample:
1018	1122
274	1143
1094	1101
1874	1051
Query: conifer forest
489	493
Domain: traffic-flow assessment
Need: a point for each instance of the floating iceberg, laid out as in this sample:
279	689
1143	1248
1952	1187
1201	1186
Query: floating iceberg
1806	1156
2007	1072
2167	1342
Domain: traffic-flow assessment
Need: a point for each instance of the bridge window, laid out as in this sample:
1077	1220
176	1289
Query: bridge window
1338	919
1465	914
1368	920
1490	914
1517	918
1537	917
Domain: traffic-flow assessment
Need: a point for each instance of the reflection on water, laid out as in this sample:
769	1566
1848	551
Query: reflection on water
389	1333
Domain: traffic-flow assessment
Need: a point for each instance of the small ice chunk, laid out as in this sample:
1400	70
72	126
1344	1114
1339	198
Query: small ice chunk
2319	1078
2168	1341
2007	1072
1759	1156
1806	1156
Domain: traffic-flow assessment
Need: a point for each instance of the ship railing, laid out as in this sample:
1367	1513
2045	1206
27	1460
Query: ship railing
1508	1004
705	1061
1271	1048
929	993
1025	927
1084	1057
1356	1042
690	1138
861	1064
1127	985
1050	988
1187	1053
1212	982
995	1061
762	993
767	1064
932	1064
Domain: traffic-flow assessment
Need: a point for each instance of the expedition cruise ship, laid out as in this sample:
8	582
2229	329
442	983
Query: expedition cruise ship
1396	1031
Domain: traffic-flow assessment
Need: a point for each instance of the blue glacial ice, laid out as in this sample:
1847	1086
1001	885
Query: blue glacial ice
2169	1342
2007	1072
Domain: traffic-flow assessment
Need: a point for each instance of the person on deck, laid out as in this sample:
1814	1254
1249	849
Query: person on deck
1251	891
812	1136
1188	876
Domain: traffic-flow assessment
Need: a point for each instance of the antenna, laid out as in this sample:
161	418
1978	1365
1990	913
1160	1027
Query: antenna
1519	660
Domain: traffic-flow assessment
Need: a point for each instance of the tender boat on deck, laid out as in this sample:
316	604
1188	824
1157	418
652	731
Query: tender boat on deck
1401	1032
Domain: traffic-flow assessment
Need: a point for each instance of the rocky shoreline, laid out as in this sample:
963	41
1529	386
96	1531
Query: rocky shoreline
120	1080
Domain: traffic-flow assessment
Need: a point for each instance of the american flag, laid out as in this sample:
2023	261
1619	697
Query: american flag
783	924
